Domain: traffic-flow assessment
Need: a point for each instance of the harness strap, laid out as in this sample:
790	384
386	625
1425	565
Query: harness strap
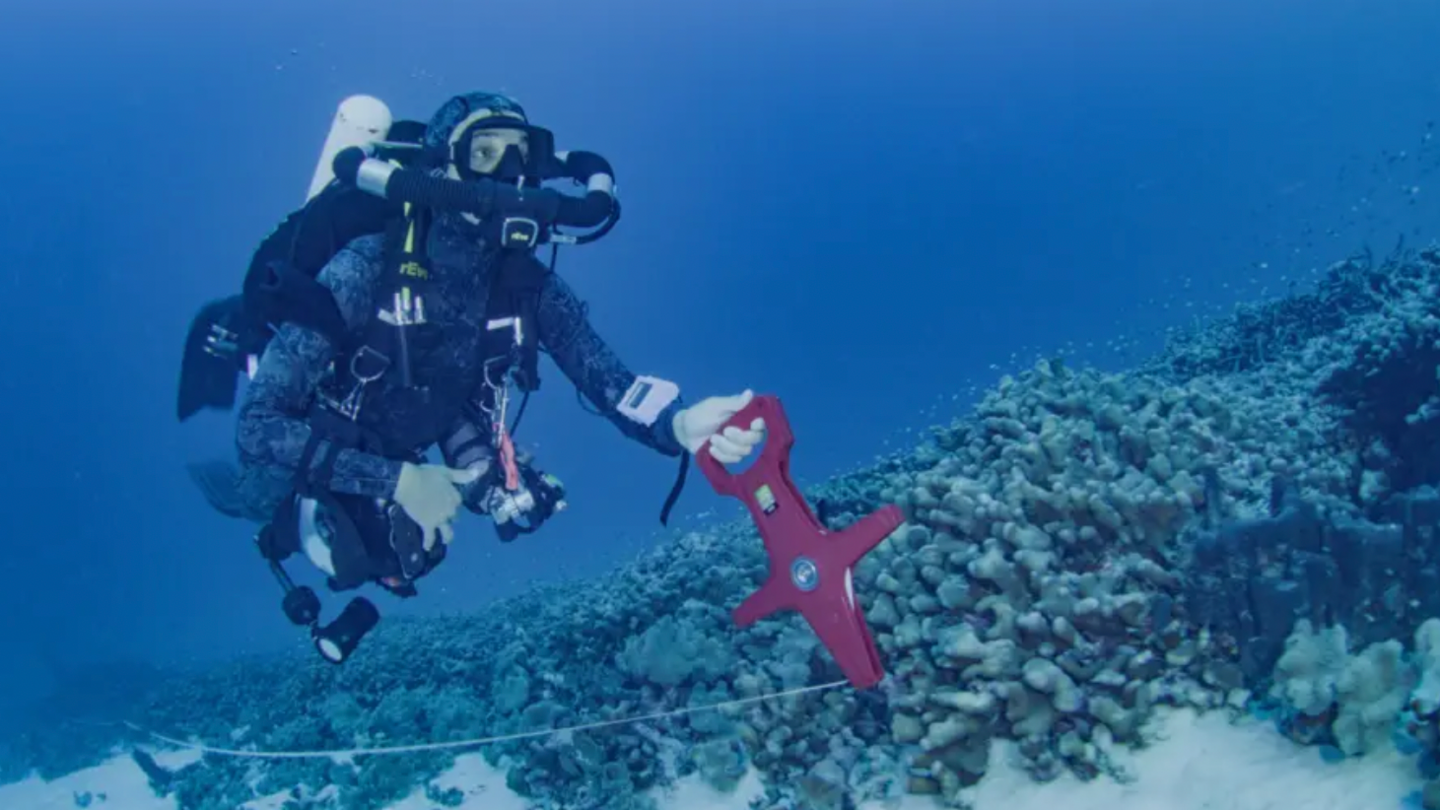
317	445
329	434
515	293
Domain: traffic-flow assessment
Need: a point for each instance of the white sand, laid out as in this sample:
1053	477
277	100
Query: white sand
484	788
121	781
1203	763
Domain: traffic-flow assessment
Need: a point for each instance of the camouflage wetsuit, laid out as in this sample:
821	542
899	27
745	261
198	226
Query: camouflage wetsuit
273	428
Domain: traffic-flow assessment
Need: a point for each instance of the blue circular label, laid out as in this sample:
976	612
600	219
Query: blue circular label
805	574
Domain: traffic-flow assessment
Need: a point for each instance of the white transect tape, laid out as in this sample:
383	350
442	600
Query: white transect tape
410	749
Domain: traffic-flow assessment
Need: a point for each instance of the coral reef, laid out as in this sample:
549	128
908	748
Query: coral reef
1247	524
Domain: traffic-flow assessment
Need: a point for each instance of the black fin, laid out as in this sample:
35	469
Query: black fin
219	482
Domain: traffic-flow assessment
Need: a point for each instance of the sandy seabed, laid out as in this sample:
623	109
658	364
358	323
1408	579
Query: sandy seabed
1198	763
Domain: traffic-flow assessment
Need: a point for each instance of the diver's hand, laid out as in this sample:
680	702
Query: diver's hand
346	164
428	493
703	420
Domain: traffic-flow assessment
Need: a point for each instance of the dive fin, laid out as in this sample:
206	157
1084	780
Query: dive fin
219	482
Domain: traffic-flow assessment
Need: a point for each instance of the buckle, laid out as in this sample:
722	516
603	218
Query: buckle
514	323
222	342
368	365
519	232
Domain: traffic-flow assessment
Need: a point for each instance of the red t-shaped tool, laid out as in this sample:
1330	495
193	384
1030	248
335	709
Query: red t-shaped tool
809	565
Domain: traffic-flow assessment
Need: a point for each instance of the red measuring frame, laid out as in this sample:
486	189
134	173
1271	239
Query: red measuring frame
810	566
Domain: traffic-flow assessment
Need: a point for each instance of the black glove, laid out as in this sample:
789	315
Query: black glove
346	165
581	165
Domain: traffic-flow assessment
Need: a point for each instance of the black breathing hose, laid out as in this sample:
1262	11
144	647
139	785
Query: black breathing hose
481	198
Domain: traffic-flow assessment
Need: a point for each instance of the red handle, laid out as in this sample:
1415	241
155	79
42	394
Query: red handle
778	441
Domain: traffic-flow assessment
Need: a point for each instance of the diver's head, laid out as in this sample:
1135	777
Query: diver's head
488	135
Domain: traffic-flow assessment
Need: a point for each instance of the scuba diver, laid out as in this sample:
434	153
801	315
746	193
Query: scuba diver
416	313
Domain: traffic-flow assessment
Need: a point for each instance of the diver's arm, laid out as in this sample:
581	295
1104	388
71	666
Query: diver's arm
565	331
273	429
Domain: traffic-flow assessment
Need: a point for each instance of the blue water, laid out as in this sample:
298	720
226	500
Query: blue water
870	209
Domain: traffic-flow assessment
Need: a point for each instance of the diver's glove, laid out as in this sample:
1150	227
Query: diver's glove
703	421
346	164
428	493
